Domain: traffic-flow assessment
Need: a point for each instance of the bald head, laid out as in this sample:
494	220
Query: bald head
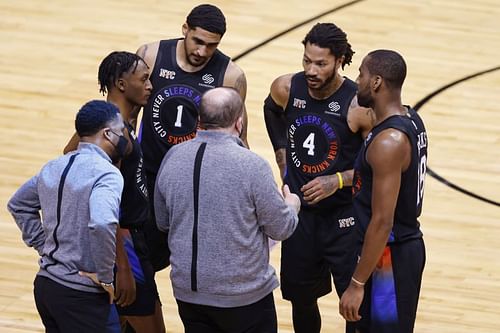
220	108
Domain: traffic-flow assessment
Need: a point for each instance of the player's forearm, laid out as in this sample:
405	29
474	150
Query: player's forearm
121	254
347	176
280	155
374	243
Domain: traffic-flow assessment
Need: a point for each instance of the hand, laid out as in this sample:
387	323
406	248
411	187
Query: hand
107	288
125	287
319	188
291	199
350	302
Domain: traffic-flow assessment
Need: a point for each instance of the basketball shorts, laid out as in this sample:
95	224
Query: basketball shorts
322	246
146	291
392	292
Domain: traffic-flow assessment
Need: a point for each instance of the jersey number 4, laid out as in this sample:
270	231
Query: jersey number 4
309	144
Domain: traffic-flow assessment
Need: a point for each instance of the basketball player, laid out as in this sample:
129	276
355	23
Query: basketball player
388	192
182	69
124	76
316	128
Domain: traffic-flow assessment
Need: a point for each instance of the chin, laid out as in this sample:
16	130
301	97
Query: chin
197	63
315	86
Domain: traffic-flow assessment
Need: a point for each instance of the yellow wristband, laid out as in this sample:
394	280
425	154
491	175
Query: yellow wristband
341	181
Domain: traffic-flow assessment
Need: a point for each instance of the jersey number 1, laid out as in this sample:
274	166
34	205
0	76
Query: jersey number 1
178	120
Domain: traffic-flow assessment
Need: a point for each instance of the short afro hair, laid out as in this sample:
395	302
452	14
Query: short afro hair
94	116
389	64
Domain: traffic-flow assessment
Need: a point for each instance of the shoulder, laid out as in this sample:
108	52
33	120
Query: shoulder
148	52
391	147
360	119
235	78
280	89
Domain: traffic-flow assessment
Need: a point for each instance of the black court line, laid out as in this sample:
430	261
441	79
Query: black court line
417	106
298	25
431	172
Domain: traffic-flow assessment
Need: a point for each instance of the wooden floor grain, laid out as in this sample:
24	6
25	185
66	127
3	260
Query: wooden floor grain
50	51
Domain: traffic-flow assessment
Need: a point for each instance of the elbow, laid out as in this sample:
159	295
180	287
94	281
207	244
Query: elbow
382	225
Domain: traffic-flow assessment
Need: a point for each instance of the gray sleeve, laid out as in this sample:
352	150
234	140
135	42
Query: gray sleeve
160	205
104	206
275	217
25	208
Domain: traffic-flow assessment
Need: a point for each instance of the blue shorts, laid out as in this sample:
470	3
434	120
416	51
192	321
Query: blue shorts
146	291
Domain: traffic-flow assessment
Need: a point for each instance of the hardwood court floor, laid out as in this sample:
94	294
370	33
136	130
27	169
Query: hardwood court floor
50	50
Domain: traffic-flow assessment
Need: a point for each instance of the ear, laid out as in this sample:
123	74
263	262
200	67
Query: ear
121	84
185	29
105	133
339	62
239	124
376	82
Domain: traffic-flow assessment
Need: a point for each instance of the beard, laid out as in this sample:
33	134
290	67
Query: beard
322	85
364	100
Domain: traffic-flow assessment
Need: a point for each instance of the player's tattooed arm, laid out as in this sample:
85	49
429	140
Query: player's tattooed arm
148	52
360	119
235	78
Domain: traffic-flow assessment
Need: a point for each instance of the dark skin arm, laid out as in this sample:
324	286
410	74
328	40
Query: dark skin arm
125	292
72	144
236	79
389	156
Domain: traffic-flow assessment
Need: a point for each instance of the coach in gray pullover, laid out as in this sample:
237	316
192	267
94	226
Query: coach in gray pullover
79	197
220	204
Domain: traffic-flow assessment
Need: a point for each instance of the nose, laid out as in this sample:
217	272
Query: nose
311	70
149	86
202	51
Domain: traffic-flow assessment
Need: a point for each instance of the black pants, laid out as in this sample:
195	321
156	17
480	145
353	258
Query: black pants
259	317
159	253
63	309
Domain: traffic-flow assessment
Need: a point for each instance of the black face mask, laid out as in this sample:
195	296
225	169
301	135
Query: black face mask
120	147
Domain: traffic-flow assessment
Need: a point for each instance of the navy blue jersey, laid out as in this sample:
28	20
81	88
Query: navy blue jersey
320	141
134	207
171	115
411	191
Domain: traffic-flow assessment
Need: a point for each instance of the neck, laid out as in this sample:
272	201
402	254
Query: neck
227	130
125	107
328	90
388	108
